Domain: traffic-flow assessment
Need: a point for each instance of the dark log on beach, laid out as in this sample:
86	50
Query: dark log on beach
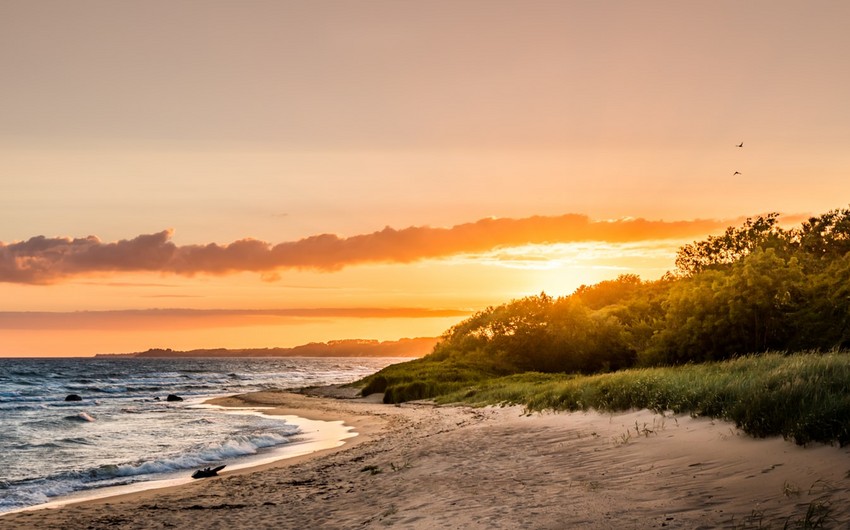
173	397
207	472
73	397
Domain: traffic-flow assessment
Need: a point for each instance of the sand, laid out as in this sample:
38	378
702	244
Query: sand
421	466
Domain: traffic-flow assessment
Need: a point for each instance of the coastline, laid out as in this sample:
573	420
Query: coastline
423	466
319	432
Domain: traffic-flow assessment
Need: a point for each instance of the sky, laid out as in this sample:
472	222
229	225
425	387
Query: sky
200	174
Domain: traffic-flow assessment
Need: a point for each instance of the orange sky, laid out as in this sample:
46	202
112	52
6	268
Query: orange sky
309	171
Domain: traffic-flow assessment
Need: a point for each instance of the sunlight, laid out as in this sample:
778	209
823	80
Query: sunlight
652	258
559	269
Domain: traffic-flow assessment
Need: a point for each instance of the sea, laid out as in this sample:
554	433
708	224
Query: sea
124	431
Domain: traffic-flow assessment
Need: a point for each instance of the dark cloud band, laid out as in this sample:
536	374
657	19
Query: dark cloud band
203	318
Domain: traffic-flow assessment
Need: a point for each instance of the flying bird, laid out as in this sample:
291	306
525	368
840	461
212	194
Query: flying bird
740	144
736	173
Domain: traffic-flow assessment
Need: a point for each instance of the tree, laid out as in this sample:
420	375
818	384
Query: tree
736	243
608	292
716	314
825	237
539	333
823	317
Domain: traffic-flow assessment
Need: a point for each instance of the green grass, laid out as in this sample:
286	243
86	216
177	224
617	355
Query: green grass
804	397
424	379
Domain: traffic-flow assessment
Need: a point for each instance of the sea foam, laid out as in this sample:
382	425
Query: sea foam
50	448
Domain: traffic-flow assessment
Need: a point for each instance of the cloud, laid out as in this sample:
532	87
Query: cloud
202	318
42	260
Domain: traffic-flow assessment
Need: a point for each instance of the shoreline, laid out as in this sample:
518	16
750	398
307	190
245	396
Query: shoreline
420	466
319	433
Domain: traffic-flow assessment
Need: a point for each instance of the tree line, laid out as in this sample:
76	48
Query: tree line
755	288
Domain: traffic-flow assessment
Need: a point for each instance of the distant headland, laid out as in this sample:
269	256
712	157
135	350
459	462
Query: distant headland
416	347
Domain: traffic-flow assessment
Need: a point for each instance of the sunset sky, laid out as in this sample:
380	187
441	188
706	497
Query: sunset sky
193	174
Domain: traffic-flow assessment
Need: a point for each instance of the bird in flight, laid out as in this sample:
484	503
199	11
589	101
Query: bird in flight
740	144
736	173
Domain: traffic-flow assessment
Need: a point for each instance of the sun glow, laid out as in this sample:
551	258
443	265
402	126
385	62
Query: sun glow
650	258
133	312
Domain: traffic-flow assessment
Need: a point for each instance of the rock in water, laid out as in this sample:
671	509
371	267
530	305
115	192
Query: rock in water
173	397
73	397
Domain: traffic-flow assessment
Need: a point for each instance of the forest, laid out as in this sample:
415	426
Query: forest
756	288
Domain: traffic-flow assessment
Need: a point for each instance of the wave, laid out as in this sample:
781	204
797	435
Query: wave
72	404
239	446
97	389
146	389
82	416
13	397
127	397
76	440
21	406
235	447
31	491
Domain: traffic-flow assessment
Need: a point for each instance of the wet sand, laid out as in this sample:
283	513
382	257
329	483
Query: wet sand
420	466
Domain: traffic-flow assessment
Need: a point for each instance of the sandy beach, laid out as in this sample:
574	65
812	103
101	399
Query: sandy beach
421	466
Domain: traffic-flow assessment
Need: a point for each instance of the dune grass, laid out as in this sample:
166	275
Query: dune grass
804	397
424	379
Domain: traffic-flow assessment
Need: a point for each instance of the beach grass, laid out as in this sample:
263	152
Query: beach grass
420	379
802	396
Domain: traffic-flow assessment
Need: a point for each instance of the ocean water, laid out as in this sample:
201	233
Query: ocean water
124	431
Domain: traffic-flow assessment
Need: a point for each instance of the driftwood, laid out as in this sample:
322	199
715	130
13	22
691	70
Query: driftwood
207	472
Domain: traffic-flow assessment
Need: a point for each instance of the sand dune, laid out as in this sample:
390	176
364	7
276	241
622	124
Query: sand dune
419	466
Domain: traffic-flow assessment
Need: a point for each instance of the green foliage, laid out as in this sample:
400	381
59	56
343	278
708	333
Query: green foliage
609	292
756	288
716	252
750	307
425	378
825	237
823	320
539	333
